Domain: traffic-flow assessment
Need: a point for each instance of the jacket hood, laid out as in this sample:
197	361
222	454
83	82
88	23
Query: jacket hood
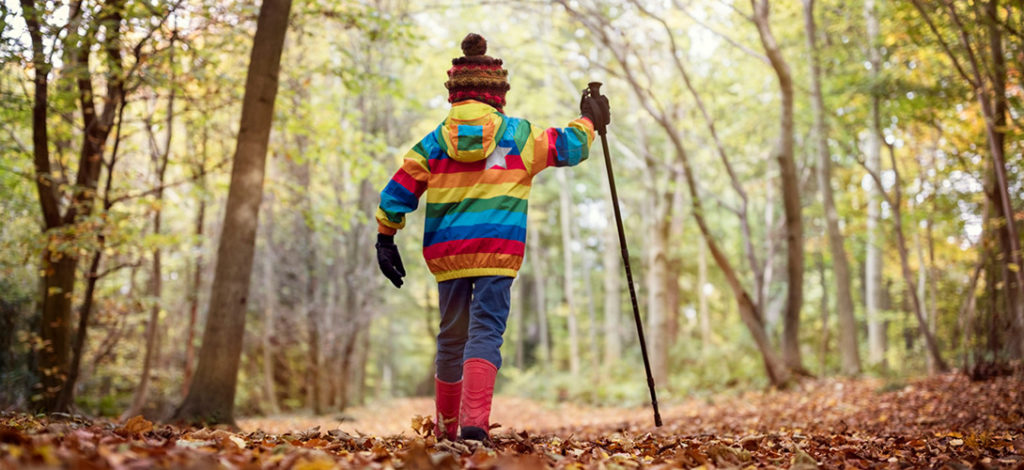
472	130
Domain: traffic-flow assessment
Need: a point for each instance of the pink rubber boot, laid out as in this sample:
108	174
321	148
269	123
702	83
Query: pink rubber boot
446	400
477	390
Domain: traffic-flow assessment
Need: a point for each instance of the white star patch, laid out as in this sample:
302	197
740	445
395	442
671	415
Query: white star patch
497	158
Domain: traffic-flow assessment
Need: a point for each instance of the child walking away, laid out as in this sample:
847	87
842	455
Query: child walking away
476	168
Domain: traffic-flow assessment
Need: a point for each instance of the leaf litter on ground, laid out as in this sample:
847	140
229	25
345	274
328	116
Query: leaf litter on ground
940	421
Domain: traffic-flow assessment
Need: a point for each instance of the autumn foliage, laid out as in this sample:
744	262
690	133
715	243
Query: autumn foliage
940	421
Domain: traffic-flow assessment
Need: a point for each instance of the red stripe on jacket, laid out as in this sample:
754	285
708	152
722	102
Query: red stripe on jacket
414	186
552	149
474	245
451	165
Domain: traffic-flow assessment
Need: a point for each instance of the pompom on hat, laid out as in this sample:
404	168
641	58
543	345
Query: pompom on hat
477	76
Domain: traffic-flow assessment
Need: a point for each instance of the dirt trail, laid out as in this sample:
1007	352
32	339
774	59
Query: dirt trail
394	417
943	421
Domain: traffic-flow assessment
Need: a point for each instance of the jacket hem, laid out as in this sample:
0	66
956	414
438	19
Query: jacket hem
474	272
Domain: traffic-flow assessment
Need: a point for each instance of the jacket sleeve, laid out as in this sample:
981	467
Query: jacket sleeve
561	146
402	194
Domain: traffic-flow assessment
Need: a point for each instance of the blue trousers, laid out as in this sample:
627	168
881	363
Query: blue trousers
474	311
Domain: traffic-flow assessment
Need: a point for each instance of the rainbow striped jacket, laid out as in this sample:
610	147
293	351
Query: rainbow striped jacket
477	168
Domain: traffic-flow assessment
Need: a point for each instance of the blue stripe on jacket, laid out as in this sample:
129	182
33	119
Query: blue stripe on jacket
570	148
505	232
492	216
395	200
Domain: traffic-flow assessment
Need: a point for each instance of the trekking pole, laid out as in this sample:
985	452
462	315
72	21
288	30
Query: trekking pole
601	128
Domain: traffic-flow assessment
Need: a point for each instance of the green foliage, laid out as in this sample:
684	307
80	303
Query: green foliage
361	82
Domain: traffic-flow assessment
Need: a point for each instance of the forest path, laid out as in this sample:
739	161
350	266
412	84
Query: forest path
944	421
394	417
929	421
950	402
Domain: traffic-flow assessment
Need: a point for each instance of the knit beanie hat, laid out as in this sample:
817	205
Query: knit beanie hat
476	76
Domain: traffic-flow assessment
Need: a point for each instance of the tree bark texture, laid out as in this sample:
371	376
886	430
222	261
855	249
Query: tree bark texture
160	157
59	267
847	331
790	181
565	215
270	305
825	337
657	241
311	310
212	394
593	347
995	130
197	270
612	265
702	299
873	251
540	292
937	364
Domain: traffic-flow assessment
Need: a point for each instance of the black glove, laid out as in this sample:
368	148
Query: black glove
595	108
389	260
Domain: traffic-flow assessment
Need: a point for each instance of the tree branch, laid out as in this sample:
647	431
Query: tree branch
942	42
723	36
156	189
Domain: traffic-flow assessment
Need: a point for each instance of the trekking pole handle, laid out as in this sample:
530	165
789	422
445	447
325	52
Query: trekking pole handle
595	91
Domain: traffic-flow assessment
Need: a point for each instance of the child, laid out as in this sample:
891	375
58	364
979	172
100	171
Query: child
476	169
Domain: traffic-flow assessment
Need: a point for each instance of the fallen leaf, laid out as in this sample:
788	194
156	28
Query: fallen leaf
134	426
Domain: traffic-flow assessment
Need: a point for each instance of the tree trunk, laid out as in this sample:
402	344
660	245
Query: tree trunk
593	348
92	277
790	190
673	260
873	251
155	289
966	315
55	327
922	289
347	360
312	311
269	305
160	157
995	130
986	75
59	266
517	315
362	355
937	364
702	299
776	369
565	215
656	314
211	396
357	276
849	354
57	282
823	356
197	273
612	295
933	273
540	299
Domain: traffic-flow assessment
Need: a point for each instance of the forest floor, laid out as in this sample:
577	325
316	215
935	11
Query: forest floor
940	421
